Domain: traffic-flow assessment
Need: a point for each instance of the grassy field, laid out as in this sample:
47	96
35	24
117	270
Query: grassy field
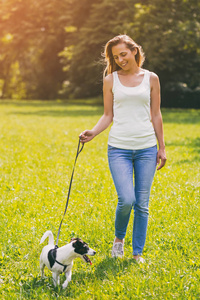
38	142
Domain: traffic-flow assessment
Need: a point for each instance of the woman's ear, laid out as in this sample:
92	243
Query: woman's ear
135	51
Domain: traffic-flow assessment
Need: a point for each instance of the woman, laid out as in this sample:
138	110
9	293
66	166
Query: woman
132	102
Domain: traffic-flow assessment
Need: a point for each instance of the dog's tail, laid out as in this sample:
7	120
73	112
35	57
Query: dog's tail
50	235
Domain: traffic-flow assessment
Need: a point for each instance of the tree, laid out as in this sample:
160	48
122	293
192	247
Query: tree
169	32
48	45
33	34
84	61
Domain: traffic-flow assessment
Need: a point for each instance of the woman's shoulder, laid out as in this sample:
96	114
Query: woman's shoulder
108	79
151	74
108	82
154	79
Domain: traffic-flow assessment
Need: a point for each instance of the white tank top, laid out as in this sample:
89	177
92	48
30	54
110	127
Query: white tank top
132	127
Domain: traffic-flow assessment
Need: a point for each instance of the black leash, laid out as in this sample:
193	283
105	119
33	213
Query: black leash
79	149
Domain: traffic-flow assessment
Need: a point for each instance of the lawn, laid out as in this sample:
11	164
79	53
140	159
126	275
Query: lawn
37	152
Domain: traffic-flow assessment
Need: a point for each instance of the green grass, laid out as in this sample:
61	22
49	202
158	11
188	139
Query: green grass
38	142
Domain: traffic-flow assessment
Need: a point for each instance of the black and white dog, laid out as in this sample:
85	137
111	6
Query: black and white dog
60	260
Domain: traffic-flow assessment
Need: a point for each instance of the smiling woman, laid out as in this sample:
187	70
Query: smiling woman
125	43
132	103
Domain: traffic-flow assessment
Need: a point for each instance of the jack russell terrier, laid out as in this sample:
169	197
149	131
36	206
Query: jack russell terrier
60	260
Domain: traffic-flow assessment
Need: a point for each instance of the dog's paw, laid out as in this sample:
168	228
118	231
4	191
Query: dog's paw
65	284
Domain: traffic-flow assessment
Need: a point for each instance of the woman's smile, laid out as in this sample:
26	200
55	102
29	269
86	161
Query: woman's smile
123	64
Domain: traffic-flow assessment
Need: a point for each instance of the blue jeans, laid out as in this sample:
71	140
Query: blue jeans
122	164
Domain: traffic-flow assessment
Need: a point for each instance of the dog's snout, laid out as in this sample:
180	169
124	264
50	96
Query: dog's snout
94	252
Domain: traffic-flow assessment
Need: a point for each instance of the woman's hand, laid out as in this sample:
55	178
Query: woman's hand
161	158
86	136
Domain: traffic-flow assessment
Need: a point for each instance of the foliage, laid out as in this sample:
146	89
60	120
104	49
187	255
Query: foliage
32	33
38	146
57	45
106	19
170	34
177	94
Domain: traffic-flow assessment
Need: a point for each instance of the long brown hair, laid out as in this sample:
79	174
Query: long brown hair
111	65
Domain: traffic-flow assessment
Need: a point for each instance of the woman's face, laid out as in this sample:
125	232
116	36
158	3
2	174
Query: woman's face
123	56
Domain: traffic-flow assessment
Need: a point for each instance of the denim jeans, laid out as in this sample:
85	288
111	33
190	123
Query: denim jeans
123	163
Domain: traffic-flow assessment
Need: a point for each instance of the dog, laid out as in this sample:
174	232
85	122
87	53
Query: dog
60	260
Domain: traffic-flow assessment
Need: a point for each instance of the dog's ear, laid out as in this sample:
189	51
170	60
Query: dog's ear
80	241
73	239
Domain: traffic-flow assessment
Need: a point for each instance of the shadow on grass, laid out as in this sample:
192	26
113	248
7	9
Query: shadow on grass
112	266
52	103
191	144
181	116
107	269
188	142
76	108
62	108
37	286
187	161
61	113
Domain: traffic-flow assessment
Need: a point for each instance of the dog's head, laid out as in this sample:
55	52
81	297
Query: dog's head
82	249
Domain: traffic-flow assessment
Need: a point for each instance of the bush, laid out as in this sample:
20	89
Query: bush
179	95
197	97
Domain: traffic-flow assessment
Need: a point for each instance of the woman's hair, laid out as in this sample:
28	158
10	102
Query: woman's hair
111	65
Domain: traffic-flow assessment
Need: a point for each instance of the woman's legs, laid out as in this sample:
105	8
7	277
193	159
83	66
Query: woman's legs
121	163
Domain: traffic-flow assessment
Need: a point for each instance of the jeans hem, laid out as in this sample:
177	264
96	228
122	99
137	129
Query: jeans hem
119	237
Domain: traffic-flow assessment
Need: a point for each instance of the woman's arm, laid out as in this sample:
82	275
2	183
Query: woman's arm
106	119
157	119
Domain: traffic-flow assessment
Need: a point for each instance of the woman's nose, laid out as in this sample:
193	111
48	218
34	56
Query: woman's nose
120	59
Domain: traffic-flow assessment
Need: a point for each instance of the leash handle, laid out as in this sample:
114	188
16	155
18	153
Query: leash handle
79	149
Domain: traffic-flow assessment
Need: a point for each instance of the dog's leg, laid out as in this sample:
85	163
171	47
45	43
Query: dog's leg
55	278
58	279
68	275
42	269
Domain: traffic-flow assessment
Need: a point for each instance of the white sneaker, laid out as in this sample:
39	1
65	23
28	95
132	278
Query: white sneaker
118	250
140	260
